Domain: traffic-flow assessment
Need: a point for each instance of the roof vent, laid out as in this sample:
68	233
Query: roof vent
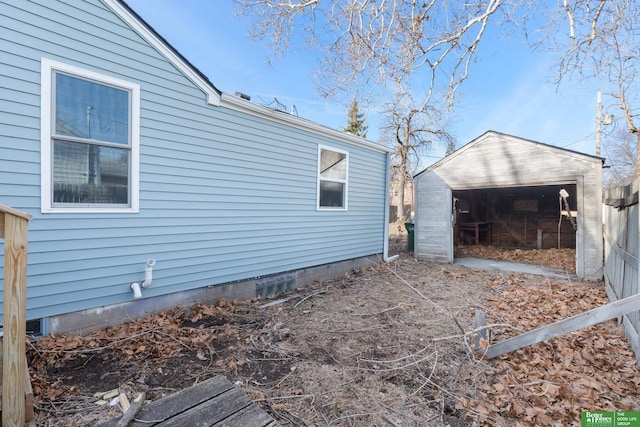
243	96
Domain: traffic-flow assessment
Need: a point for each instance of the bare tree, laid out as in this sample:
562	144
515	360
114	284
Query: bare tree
603	45
383	47
620	150
400	53
413	129
367	43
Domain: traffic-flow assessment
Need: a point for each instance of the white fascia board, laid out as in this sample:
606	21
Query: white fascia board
213	97
236	103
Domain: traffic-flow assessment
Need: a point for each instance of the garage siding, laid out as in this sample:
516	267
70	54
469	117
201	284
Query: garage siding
433	227
497	160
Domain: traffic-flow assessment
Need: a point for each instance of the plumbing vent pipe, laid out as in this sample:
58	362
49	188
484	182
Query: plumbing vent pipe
148	277
147	273
137	292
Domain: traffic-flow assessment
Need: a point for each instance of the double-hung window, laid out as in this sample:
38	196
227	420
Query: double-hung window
90	141
333	173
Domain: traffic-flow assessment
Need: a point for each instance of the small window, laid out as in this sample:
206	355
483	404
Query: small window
90	141
333	171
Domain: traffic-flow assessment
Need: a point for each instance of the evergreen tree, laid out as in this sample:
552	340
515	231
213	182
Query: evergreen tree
357	123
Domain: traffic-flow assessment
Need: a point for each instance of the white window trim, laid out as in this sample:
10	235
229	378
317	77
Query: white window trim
46	71
344	181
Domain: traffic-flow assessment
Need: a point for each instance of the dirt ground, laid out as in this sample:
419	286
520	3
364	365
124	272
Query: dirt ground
390	345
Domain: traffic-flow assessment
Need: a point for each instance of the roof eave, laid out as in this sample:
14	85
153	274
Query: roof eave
135	21
218	98
239	104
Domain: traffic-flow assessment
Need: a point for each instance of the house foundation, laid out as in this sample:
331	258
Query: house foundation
86	321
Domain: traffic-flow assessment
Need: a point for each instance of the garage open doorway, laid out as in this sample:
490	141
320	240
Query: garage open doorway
536	217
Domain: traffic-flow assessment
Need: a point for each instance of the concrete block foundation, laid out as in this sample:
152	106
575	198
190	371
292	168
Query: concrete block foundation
86	321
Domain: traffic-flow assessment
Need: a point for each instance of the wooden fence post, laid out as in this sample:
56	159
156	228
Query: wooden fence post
13	229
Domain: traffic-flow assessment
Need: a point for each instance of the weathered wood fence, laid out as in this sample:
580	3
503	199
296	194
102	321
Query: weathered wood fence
621	241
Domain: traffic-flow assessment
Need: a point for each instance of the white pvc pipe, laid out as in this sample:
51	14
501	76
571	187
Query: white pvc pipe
137	292
148	273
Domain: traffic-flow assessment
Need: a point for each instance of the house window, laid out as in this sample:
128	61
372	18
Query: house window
333	172
90	141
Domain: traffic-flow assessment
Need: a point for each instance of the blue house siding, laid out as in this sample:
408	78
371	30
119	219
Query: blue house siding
225	194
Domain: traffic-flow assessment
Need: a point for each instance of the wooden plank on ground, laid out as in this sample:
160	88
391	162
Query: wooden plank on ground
252	416
212	411
162	409
583	320
187	398
214	402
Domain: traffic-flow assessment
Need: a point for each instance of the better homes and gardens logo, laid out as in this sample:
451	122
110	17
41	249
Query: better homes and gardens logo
610	419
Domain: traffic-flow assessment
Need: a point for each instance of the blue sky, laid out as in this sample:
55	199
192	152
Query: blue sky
510	89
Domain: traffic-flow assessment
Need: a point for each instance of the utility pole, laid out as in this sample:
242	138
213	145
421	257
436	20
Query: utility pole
599	124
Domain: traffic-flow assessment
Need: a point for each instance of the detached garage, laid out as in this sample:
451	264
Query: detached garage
504	190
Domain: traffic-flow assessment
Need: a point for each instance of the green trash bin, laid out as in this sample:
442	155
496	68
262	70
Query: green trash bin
409	227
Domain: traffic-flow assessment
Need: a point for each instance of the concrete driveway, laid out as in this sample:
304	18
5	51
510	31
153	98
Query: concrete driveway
514	267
